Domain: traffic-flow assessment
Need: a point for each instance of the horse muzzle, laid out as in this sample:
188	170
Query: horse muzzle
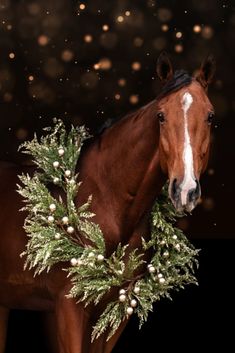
184	196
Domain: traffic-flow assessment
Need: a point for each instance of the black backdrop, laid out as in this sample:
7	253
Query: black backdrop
88	61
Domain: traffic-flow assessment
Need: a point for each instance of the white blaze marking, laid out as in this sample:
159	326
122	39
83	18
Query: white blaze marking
188	182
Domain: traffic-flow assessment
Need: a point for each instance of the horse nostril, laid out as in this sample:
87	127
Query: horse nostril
194	194
174	188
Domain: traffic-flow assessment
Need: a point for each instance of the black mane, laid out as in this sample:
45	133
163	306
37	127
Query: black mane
180	79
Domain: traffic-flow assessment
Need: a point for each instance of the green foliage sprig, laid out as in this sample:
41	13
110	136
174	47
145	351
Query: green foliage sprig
56	228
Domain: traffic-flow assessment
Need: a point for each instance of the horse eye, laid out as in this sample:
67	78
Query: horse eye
161	117
210	117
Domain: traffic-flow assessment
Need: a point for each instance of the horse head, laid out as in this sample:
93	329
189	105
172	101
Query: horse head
185	115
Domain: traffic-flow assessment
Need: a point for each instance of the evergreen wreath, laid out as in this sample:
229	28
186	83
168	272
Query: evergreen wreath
57	228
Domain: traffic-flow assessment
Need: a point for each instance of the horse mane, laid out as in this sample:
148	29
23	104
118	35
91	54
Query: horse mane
181	78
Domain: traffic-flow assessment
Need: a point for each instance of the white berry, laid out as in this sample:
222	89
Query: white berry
174	236
133	303
160	275
79	262
61	152
52	207
56	180
136	290
177	246
67	173
162	280
73	261
129	310
166	253
65	220
70	229
91	254
122	298
100	257
57	236
122	291
50	219
56	164
151	269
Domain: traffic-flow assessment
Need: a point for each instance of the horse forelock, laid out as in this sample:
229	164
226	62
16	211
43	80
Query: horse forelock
180	79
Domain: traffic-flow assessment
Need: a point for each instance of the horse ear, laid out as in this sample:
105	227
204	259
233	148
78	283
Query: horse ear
207	71
164	67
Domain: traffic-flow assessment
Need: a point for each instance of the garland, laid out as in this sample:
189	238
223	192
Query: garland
57	228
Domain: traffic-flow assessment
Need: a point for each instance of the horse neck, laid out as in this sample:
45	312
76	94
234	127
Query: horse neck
128	169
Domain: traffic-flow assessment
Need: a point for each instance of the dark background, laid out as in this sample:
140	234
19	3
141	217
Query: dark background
85	65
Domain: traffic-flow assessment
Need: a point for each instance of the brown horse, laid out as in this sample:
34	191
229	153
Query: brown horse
124	168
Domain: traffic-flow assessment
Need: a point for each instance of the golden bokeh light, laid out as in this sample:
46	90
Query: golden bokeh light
88	38
134	99
136	66
43	40
197	28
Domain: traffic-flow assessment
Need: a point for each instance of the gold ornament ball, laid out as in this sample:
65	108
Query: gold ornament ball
52	207
56	164
70	229
65	220
129	310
